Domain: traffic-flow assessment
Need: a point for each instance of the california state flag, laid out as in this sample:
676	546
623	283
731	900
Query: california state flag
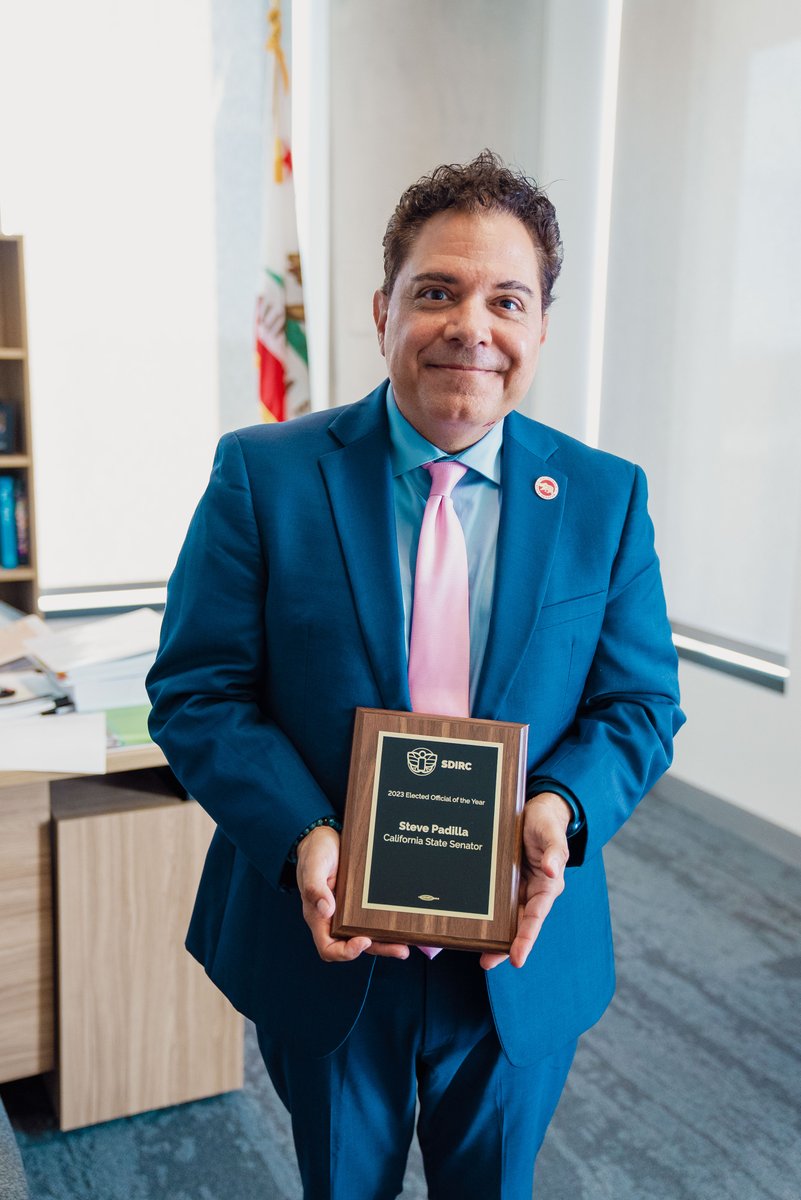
280	318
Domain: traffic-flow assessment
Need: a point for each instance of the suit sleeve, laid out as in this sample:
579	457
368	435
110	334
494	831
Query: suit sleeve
208	676
621	741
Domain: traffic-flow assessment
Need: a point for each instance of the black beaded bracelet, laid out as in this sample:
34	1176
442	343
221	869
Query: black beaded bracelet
332	822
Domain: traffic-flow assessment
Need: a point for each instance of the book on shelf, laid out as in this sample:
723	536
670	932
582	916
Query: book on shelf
14	523
8	438
22	522
9	555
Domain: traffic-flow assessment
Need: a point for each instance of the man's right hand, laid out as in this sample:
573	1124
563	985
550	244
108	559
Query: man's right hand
318	860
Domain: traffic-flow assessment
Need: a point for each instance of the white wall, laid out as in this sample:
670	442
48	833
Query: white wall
579	76
703	358
239	60
703	348
743	742
414	85
311	102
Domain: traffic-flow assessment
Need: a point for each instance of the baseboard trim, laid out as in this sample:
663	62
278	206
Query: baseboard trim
765	835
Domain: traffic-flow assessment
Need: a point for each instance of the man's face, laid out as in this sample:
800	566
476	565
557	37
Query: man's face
462	328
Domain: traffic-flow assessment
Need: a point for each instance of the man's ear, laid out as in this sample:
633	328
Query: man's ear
380	309
544	333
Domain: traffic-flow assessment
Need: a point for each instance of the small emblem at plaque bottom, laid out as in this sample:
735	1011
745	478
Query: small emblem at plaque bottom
427	897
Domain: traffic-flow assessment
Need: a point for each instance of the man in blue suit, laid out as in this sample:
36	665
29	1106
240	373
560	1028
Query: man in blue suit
291	604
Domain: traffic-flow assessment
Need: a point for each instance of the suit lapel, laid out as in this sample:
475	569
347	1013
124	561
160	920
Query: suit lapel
358	479
528	533
359	482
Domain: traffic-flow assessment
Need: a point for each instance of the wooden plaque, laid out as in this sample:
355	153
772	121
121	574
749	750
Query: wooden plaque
432	838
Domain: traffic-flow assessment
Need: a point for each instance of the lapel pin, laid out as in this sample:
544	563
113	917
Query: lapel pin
546	488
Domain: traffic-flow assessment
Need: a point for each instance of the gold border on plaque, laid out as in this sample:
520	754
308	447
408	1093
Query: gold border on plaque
429	909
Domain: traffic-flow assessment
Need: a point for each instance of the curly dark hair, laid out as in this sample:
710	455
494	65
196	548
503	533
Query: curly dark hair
485	183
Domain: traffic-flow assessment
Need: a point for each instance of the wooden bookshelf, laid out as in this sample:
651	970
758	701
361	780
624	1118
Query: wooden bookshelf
18	586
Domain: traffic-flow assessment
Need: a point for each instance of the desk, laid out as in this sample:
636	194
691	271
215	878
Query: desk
97	879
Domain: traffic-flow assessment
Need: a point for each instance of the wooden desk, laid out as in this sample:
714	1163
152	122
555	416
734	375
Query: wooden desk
97	879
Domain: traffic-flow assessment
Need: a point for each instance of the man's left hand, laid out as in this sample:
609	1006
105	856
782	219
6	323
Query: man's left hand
545	853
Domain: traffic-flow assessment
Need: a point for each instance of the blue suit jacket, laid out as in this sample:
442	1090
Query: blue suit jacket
284	613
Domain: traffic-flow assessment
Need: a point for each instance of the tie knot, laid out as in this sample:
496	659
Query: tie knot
445	475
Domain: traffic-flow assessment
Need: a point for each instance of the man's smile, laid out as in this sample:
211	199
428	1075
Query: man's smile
460	367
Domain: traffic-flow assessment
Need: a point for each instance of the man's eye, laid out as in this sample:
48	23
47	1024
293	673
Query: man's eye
434	293
510	304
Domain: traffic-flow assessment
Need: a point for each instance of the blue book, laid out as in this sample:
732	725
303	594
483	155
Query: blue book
8	525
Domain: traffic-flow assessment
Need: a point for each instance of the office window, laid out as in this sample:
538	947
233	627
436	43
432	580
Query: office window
703	323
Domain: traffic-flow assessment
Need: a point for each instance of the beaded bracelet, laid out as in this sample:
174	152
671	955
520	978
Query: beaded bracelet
332	822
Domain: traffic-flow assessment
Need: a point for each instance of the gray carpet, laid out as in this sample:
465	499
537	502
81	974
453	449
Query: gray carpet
689	1089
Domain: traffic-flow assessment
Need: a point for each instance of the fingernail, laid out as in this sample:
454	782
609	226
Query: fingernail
322	907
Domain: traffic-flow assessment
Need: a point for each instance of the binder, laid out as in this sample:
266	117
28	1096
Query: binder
9	557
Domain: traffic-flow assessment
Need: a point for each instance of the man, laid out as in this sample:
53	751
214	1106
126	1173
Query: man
294	601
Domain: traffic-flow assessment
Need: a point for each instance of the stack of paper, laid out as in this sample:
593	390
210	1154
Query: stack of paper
101	664
75	743
14	636
23	694
24	690
95	666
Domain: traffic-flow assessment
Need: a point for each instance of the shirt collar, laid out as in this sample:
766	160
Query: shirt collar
409	449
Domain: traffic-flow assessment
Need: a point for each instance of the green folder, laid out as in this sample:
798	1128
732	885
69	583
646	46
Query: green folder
128	726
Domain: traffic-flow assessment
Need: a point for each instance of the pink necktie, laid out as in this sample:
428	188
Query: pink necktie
439	649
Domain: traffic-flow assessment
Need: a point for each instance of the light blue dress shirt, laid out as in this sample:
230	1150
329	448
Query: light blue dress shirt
477	501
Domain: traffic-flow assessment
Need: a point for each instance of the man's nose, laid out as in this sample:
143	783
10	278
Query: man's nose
469	323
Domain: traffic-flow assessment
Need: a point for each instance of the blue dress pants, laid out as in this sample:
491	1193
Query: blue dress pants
426	1033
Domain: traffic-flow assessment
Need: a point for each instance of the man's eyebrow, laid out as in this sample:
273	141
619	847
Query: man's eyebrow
506	285
514	285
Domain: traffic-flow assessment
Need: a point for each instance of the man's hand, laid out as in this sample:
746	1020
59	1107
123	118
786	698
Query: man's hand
318	860
545	821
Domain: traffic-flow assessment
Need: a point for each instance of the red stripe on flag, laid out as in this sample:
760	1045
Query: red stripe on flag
272	391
